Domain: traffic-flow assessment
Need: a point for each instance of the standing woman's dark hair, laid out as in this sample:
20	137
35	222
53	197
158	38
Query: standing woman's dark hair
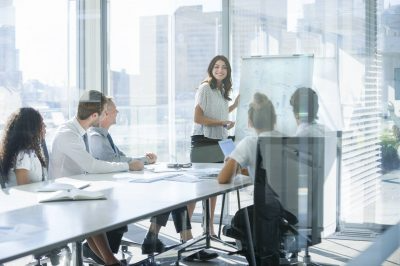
23	131
227	82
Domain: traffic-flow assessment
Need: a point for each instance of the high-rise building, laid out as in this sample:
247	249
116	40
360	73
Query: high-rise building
10	75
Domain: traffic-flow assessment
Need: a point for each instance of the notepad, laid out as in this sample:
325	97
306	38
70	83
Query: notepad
227	146
75	194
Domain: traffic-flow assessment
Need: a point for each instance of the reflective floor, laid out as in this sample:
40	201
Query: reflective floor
334	250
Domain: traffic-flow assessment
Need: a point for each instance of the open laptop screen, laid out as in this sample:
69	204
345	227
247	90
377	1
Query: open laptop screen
227	146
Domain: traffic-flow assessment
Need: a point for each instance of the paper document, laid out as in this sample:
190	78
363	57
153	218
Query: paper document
61	186
153	178
63	183
186	178
75	194
205	173
167	170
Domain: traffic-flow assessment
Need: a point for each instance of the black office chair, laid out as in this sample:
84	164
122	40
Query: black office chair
2	179
287	212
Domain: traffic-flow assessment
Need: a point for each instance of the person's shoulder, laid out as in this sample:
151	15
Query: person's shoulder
25	155
66	126
22	154
94	132
246	140
249	138
66	130
310	130
205	86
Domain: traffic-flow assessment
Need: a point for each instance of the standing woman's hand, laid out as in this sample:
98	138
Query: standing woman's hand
237	101
235	104
230	125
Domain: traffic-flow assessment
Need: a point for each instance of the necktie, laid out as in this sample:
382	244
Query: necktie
111	142
85	139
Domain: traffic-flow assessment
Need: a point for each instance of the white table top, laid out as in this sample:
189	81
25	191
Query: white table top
55	224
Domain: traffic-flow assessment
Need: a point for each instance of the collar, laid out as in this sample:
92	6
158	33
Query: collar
269	133
78	126
303	125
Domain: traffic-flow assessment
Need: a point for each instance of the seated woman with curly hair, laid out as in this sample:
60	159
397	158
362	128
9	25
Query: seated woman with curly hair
23	161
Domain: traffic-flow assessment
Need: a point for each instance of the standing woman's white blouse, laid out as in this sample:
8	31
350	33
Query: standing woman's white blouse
26	160
214	106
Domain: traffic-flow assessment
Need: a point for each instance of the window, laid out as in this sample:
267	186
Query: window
37	58
159	54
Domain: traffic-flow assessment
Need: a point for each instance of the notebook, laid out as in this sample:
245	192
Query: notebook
227	146
75	194
63	183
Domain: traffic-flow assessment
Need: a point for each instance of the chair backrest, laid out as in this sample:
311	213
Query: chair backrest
294	172
2	179
2	182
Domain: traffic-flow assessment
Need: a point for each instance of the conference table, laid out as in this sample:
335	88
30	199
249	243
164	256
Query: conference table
33	227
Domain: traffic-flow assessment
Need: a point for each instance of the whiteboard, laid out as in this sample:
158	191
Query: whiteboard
277	77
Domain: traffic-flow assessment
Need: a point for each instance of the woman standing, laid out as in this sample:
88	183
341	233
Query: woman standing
211	118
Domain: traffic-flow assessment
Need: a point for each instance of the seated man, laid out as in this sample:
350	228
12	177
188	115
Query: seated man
262	119
304	102
102	147
70	156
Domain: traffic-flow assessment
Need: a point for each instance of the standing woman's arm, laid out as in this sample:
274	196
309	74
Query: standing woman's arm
201	119
235	104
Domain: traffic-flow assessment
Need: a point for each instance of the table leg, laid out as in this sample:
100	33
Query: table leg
77	253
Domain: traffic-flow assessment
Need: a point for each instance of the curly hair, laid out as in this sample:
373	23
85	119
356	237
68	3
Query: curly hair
227	82
22	132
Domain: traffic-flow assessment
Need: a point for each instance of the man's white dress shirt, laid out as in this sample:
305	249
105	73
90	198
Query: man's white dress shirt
69	156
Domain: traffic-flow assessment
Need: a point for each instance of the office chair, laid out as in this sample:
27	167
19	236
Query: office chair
59	257
287	212
117	245
2	179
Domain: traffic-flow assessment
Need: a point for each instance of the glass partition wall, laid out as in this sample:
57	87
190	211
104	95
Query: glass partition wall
151	56
355	55
158	55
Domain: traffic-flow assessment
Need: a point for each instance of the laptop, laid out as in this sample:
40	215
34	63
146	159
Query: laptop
227	146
